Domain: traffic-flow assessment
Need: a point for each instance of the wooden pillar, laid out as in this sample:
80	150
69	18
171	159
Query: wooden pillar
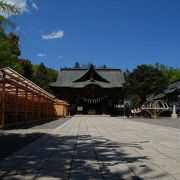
47	112
17	108
52	109
33	109
39	107
42	108
63	109
26	106
3	104
45	108
48	109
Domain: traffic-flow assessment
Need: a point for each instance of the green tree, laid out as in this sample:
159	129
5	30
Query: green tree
144	80
87	65
9	50
76	65
7	10
172	74
103	67
43	76
135	101
126	73
51	77
39	76
25	68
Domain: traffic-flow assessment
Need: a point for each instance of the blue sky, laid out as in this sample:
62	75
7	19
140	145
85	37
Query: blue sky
118	33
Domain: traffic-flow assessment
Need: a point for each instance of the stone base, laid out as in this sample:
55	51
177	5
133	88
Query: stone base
174	116
95	115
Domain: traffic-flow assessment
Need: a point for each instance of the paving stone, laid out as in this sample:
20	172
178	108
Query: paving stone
98	148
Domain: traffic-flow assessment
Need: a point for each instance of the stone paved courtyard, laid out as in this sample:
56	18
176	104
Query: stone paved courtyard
98	148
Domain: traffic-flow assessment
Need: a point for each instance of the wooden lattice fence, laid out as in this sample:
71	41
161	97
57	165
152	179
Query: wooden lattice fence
22	101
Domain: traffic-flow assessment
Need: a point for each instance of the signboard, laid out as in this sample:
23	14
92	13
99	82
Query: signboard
80	108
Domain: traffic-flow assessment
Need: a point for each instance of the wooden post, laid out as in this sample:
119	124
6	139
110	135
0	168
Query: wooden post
63	105
47	110
3	104
17	108
26	107
39	107
33	108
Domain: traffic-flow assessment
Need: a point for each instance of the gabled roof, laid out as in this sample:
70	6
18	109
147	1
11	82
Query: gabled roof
173	87
91	75
79	78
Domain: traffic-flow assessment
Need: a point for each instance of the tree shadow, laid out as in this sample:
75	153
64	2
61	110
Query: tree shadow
31	124
11	142
76	157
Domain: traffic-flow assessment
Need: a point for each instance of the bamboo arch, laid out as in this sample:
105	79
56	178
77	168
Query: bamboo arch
155	107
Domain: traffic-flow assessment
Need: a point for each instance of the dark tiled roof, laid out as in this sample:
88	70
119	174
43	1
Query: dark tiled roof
175	86
158	96
68	78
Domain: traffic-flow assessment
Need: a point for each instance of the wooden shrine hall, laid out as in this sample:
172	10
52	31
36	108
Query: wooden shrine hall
91	90
22	101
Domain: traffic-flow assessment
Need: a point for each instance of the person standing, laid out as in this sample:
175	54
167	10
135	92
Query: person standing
127	110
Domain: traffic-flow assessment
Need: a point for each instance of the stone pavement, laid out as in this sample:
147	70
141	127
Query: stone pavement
14	138
87	148
161	121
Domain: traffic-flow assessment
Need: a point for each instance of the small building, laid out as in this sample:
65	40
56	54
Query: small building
91	90
171	95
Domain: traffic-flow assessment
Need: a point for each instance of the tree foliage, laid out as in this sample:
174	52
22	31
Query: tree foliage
76	65
25	68
39	76
103	67
144	80
171	73
9	50
43	76
7	10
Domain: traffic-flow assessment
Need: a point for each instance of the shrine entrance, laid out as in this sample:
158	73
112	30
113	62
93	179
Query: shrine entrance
90	91
93	106
91	100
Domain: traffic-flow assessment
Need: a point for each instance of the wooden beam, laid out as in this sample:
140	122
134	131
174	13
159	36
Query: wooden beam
26	83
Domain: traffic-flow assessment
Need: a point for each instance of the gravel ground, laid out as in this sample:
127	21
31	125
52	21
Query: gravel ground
17	137
161	121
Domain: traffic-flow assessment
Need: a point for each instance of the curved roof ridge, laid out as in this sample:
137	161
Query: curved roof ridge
91	69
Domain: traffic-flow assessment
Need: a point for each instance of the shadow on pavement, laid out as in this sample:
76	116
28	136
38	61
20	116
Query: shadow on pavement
77	158
42	124
10	143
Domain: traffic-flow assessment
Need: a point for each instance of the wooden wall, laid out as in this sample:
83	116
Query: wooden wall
61	108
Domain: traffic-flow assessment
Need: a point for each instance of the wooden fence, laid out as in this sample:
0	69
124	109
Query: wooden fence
61	108
22	101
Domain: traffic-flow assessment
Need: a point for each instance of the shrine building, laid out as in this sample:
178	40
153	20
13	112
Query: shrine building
91	90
